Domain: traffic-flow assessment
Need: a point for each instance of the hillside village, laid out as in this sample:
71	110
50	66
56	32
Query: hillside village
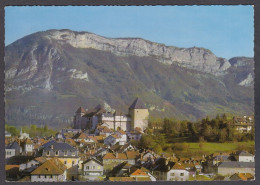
100	148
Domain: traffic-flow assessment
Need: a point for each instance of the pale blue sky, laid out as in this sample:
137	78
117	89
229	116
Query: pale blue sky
227	31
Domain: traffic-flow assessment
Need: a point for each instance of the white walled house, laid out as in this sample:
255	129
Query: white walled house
92	169
243	156
170	171
52	170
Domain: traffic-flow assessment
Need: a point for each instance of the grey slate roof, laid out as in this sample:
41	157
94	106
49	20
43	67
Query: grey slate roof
59	146
243	153
137	104
236	164
13	145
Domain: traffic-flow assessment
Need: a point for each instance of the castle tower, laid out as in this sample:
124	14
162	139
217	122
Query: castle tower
77	118
139	115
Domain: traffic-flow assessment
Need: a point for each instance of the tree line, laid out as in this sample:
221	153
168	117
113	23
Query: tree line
218	129
32	130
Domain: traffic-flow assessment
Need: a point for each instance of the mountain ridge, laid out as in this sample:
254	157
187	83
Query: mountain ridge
42	69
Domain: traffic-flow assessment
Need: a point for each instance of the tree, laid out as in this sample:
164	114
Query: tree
223	135
45	128
157	149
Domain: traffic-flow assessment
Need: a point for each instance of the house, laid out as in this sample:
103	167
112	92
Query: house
134	135
29	166
67	154
122	135
243	124
52	170
132	156
243	156
110	160
221	158
232	167
13	149
122	148
170	171
147	156
92	169
139	174
111	140
103	130
27	147
79	136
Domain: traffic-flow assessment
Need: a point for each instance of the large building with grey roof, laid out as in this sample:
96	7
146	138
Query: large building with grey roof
232	167
137	117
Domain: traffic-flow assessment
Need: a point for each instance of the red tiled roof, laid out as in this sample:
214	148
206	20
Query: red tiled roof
178	166
138	172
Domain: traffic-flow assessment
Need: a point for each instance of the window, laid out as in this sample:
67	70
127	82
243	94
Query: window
87	167
51	176
171	174
65	162
73	153
73	163
45	176
98	167
48	153
93	167
182	174
65	153
39	176
57	153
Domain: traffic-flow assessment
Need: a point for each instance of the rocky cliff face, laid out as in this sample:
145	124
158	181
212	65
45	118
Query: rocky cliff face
193	58
49	74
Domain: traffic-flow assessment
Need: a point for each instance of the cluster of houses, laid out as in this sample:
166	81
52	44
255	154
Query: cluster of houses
102	151
243	124
76	156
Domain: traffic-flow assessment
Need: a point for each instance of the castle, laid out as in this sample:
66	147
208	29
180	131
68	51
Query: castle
137	118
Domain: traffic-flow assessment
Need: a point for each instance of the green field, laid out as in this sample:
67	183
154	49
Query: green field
219	147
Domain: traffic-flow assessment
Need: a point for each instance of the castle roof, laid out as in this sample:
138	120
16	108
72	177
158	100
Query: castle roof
81	110
137	104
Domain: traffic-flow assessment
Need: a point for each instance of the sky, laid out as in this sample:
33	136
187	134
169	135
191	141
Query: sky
227	31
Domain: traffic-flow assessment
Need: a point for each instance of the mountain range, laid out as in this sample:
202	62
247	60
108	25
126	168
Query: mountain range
49	74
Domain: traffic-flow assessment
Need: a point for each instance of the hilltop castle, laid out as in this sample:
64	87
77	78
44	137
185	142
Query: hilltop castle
137	117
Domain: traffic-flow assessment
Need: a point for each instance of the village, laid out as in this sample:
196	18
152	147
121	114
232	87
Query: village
100	147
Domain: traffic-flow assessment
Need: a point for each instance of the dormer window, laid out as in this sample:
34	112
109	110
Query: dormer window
56	153
65	153
48	153
73	153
